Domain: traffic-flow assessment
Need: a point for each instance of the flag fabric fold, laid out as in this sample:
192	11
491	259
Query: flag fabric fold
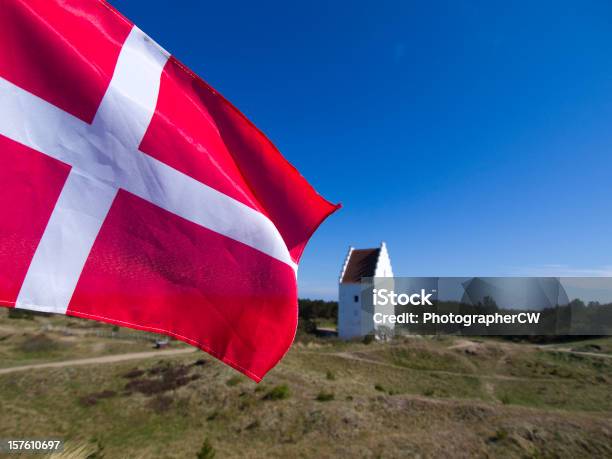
135	194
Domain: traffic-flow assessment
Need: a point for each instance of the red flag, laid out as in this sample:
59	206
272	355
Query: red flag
133	193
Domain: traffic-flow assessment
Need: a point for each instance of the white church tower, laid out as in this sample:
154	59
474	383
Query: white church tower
359	263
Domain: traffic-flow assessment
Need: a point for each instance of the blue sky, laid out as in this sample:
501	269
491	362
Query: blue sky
474	138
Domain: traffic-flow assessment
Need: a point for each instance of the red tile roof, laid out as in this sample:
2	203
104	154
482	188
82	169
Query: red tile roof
362	263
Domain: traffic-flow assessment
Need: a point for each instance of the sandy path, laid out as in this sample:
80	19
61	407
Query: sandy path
570	351
349	356
98	360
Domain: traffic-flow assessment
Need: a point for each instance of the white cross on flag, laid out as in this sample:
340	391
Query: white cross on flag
134	194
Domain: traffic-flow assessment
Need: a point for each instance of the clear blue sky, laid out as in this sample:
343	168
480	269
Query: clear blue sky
475	139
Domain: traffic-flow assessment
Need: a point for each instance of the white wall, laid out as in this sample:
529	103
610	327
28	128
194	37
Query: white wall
383	267
349	311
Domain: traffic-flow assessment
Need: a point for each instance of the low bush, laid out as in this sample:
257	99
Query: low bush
368	339
206	451
500	434
234	381
277	393
134	373
39	343
165	377
325	397
92	399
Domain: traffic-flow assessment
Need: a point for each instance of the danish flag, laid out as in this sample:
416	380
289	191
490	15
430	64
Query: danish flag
134	194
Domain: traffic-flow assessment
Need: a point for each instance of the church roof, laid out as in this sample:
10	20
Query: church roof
361	263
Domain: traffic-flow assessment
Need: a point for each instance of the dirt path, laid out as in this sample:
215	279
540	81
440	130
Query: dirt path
345	355
466	344
98	360
570	351
350	356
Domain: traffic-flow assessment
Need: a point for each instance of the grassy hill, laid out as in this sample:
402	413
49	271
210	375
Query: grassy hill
414	397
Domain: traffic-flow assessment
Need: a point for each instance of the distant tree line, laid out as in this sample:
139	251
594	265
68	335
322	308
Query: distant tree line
308	310
318	309
313	311
18	313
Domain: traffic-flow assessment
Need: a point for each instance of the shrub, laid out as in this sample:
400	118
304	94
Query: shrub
500	434
308	326
206	451
367	339
99	451
133	373
234	381
253	425
92	399
17	313
277	393
379	388
164	377
39	343
330	375
325	397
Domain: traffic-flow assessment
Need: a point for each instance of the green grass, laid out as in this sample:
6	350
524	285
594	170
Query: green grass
28	341
427	359
573	396
434	400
